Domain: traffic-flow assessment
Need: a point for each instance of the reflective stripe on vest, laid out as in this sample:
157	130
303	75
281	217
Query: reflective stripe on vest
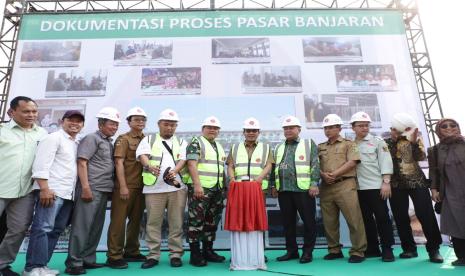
157	156
302	161
210	165
253	167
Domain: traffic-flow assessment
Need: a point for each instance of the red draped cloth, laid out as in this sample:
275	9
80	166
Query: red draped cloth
245	208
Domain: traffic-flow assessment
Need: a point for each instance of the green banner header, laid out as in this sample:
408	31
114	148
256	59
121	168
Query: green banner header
211	24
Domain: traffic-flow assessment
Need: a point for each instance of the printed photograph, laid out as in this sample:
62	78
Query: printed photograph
170	81
143	52
365	78
51	112
272	79
332	49
50	54
240	50
76	83
317	106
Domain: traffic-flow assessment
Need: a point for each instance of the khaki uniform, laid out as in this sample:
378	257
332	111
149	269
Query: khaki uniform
124	239
341	196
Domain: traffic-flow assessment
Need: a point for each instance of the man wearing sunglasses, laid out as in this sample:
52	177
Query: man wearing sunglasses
249	161
408	180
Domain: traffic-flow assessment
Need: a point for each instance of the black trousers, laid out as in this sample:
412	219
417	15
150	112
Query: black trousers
376	218
421	199
459	247
290	203
3	227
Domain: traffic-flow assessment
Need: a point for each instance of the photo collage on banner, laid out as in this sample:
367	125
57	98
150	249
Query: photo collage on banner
231	64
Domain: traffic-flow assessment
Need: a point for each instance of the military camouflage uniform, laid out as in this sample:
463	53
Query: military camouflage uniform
204	214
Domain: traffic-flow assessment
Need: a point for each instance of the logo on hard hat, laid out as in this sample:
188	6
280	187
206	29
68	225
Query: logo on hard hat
139	110
212	120
117	115
171	113
251	122
326	120
258	160
301	157
288	120
364	115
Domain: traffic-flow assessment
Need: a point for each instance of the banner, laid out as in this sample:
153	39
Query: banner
231	64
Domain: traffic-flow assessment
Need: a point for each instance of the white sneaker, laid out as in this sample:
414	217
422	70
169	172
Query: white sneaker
51	271
38	271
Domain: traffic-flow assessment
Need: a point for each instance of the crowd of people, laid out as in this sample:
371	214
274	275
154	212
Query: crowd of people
171	79
76	83
270	80
73	180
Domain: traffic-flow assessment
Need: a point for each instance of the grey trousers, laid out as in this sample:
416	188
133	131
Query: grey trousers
86	229
19	217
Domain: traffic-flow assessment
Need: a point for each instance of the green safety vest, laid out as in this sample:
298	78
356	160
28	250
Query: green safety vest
210	165
302	161
156	158
253	167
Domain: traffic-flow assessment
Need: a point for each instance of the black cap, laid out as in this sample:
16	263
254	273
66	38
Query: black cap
71	113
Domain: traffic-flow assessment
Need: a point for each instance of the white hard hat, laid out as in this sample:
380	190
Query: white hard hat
168	115
291	121
402	121
251	123
332	120
211	121
136	111
109	113
360	117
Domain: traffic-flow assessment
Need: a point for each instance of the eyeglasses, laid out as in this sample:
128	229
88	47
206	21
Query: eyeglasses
451	125
137	120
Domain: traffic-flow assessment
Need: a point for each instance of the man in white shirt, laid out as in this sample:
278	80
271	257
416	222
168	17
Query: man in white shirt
55	172
163	157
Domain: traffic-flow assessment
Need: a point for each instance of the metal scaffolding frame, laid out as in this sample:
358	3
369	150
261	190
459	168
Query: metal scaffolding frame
421	63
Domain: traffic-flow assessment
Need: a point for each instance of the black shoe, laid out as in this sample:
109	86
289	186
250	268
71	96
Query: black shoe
209	254
93	265
288	256
74	270
458	262
408	254
176	262
149	263
333	256
8	272
435	257
134	258
196	258
387	256
117	264
354	259
266	259
372	254
306	258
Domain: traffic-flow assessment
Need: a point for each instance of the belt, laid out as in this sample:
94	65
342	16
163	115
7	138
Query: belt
343	179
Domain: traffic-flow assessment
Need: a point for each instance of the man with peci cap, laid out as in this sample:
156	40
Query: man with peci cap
297	175
338	192
18	143
96	180
127	203
55	173
374	188
205	161
409	181
163	156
